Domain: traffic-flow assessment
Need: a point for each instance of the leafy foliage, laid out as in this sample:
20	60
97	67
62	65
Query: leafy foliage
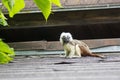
15	6
56	2
3	19
6	53
44	6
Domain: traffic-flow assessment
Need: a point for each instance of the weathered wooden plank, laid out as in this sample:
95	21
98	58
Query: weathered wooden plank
44	68
55	45
68	3
32	45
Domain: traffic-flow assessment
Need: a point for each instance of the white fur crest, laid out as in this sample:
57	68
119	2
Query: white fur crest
65	34
70	50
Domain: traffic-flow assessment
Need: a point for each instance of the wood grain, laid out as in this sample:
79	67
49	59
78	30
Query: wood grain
46	68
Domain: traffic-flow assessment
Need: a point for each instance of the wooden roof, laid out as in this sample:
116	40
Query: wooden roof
67	3
58	68
70	3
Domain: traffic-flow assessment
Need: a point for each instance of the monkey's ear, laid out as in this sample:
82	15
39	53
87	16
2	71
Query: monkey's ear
62	34
70	35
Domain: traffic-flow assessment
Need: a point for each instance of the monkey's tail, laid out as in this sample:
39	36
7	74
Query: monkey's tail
97	55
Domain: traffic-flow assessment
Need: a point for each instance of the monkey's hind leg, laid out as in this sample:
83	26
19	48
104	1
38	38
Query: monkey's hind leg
77	51
87	52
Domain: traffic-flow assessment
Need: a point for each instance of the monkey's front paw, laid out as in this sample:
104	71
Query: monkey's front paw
77	56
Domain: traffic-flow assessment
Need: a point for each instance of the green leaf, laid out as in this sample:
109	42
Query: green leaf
6	53
4	58
6	49
57	2
44	6
3	19
11	3
13	6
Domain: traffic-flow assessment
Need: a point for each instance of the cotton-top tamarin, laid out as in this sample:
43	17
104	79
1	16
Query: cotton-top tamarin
75	48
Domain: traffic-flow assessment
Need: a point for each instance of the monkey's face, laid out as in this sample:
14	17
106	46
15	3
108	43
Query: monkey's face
65	37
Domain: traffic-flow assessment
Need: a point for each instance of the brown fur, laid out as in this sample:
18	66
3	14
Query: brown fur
85	51
75	48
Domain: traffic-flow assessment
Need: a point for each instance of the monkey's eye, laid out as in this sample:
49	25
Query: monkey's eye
68	37
63	37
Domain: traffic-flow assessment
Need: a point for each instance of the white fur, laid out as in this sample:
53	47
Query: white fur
70	50
65	34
